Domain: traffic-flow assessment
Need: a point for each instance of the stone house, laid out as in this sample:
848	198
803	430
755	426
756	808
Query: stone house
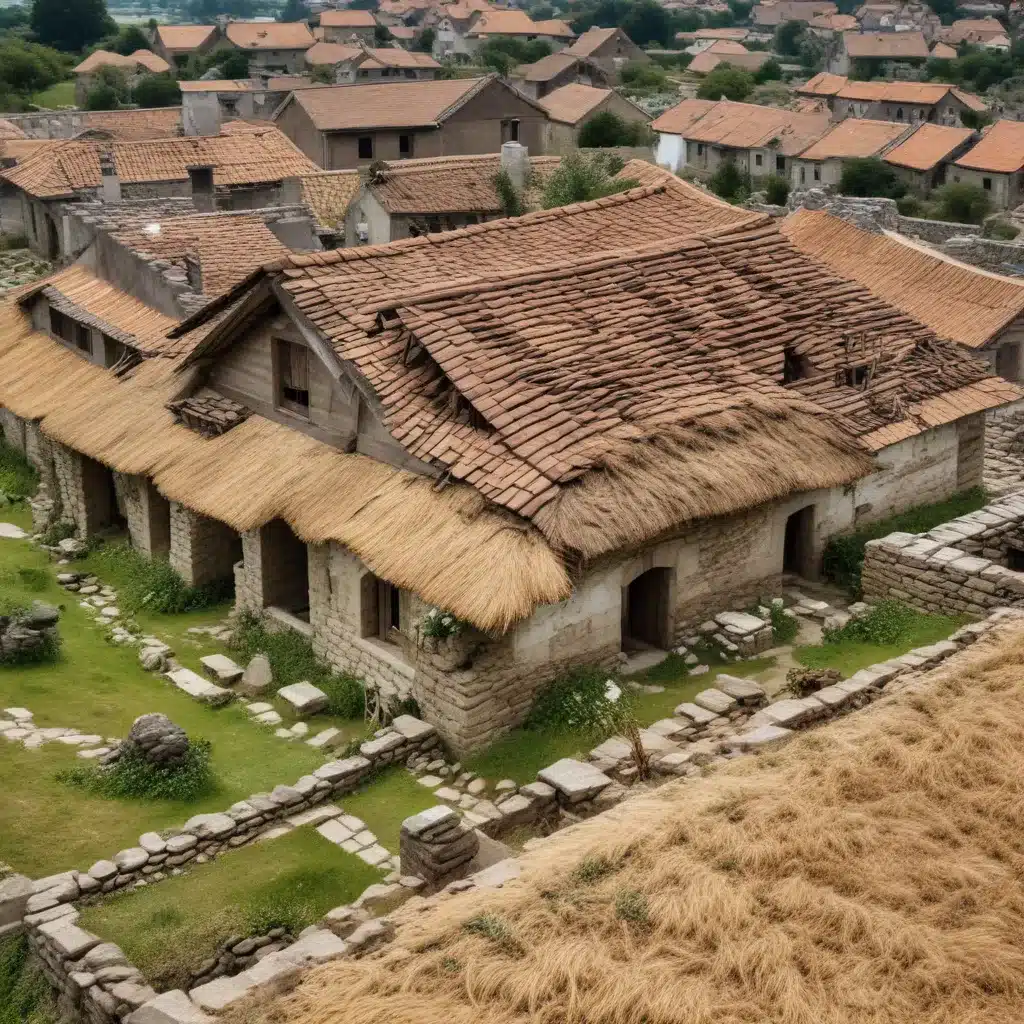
702	38
273	47
923	160
416	425
347	126
989	33
910	102
996	164
609	48
727	51
555	70
360	64
981	311
821	163
135	66
131	125
572	106
208	104
419	197
701	134
517	24
176	43
226	171
893	52
772	13
348	27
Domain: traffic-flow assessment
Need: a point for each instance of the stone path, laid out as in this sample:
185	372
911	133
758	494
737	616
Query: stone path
11	532
18	725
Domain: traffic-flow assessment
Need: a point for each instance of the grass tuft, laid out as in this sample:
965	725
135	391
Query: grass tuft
492	927
631	906
591	870
18	477
25	994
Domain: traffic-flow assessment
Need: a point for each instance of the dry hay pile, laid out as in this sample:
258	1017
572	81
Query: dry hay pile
869	872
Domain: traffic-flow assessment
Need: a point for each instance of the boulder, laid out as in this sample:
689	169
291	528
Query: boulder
257	677
158	739
306	698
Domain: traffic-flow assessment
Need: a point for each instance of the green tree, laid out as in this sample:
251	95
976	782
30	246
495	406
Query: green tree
776	190
513	204
725	80
26	68
502	53
234	65
381	34
128	40
541	12
424	41
607	129
102	96
788	38
294	10
962	203
579	178
70	25
156	91
870	176
729	182
975	119
323	74
769	71
643	77
648	22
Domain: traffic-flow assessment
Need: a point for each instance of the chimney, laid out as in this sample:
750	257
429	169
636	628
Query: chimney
515	161
200	178
110	183
194	272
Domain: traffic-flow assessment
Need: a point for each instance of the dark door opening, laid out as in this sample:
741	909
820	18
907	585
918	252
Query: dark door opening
285	569
1015	559
646	611
797	549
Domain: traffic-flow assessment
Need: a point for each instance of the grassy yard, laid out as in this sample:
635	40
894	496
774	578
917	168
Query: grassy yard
386	801
168	929
60	95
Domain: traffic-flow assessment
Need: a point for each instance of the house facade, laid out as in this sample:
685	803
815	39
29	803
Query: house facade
822	162
348	27
135	66
609	48
572	106
276	47
996	164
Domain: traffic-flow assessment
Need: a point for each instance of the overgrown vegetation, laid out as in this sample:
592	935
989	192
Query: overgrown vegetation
132	777
440	624
884	624
57	531
577	701
151	584
870	176
18	477
25	994
579	178
492	927
607	129
631	906
776	190
844	555
726	80
784	627
292	661
732	184
513	203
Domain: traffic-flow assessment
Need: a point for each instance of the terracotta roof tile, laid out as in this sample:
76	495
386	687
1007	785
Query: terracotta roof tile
331	53
928	146
9	130
348	19
854	137
592	40
890	45
394	57
943	51
824	83
725	52
270	35
182	38
775	12
517	23
133	125
104	58
328	194
1001	149
959	302
972	30
677	119
573	102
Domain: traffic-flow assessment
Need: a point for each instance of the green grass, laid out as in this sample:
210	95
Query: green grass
850	655
25	995
168	929
386	801
60	95
18	477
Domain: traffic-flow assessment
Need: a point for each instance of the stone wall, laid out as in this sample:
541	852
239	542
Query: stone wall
1004	449
202	550
146	512
71	494
959	568
935	231
987	253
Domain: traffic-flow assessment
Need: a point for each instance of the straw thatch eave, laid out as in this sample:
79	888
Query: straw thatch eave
449	546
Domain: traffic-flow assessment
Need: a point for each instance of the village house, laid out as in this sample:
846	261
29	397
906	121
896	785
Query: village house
348	126
988	33
555	70
176	43
519	25
701	134
126	125
346	26
451	24
943	51
772	13
419	197
981	311
898	17
821	163
226	172
609	48
206	104
359	63
133	67
725	51
996	164
441	392
327	196
924	158
886	52
572	106
273	47
702	38
830	25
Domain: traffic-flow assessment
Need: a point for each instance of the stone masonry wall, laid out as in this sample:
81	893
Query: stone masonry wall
13	428
987	253
71	492
955	568
203	550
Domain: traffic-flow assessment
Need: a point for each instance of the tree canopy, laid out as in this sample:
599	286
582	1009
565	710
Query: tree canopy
726	80
607	129
293	10
870	176
156	91
579	178
70	25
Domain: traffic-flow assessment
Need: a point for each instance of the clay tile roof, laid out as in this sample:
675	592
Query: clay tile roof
517	23
724	46
677	119
573	102
592	40
218	85
895	92
19	150
347	19
929	145
104	58
822	84
890	45
182	38
239	126
393	57
854	137
237	159
134	125
1001	149
328	195
9	130
403	32
834	22
943	51
386	104
446	184
228	246
550	66
554	27
331	53
738	34
960	302
977	30
708	60
969	100
749	126
270	35
776	12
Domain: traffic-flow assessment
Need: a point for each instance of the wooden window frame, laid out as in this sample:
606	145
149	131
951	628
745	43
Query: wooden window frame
286	393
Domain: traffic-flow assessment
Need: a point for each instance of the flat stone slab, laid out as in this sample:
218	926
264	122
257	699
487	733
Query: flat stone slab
209	826
656	743
325	739
790	712
381	745
759	737
70	940
169	1008
430	781
221	992
575	780
199	688
12	532
374	855
742	690
742	622
221	668
304	697
429	819
334	832
667	727
834	697
697	715
317	947
715	700
614	749
412	728
314	816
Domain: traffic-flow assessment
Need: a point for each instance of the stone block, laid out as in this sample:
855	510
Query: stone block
274	967
306	698
68	940
759	737
574	780
791	712
667	727
199	688
740	622
221	669
169	1008
131	859
655	743
412	728
715	700
221	992
209	826
376	748
698	716
257	677
337	771
325	739
430	820
15	893
314	816
613	749
316	947
742	690
334	831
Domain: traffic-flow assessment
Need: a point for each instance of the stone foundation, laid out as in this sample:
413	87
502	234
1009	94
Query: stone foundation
202	550
1004	449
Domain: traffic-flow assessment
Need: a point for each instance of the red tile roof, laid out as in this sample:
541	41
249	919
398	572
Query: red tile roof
1001	149
928	146
854	137
183	38
885	45
270	35
347	19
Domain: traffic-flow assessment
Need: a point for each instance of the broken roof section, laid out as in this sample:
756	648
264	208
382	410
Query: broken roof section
328	195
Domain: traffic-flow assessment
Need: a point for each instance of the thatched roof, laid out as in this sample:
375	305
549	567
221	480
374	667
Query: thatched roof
867	873
440	544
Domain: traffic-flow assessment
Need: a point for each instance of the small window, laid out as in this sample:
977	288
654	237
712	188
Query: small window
758	161
229	106
434	224
899	113
794	366
780	163
855	376
365	147
817	174
59	325
700	149
364	74
380	608
293	377
82	338
803	175
405	145
410	72
510	131
986	183
114	351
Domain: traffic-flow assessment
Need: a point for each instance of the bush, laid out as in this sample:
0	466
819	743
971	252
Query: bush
1001	230
869	176
769	71
56	532
511	199
885	624
643	77
156	91
844	555
731	183
784	627
777	190
579	178
146	584
911	206
132	777
962	203
631	906
577	701
442	625
725	80
607	129
18	477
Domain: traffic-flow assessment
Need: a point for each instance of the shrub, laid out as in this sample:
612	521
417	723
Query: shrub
492	927
511	199
56	532
437	623
911	206
885	624
577	701
777	190
962	203
18	477
643	76
607	129
769	71
844	555
133	777
784	627
591	870
731	183
870	176
579	178
156	91
725	80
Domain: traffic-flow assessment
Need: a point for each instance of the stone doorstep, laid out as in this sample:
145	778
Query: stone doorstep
169	1008
221	668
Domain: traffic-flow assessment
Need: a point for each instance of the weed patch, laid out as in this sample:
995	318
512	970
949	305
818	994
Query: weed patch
25	995
56	532
591	870
18	477
784	627
577	701
631	906
492	927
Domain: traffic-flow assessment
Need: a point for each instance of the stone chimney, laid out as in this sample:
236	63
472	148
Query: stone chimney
110	183
194	272
515	160
200	178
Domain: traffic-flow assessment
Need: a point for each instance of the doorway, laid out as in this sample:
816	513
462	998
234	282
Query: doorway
798	551
284	564
646	618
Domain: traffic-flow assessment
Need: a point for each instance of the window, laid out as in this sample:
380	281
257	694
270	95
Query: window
855	376
817	174
293	377
365	147
780	163
410	72
700	149
758	160
510	131
68	330
81	338
986	183
380	607
899	113
803	175
364	74
794	365
59	325
114	351
229	106
405	145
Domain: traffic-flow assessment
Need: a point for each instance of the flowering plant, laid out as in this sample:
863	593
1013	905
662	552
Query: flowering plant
439	624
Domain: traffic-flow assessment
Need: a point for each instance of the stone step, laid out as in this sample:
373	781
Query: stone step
199	688
221	669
